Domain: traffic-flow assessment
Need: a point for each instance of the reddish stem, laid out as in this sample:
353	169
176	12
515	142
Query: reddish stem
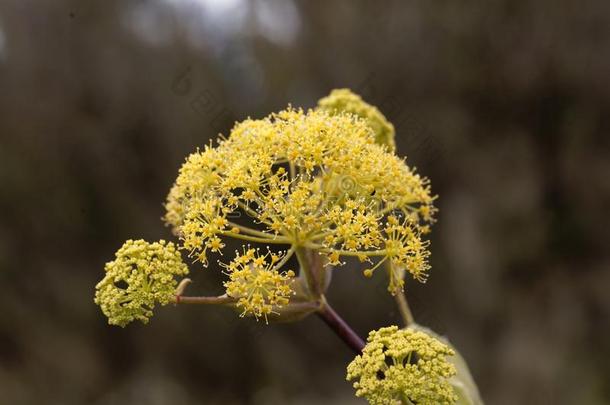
341	328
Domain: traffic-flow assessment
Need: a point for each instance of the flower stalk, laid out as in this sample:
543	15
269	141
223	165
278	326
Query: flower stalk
340	327
203	300
403	308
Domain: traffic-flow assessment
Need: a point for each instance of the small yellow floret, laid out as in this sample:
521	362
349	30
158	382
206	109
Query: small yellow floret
256	283
333	258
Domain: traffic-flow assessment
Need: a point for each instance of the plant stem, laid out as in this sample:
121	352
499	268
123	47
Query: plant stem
219	300
314	274
355	253
403	307
405	400
401	298
307	271
251	231
279	240
340	327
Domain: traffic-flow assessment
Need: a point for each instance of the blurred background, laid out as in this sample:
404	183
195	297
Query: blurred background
504	105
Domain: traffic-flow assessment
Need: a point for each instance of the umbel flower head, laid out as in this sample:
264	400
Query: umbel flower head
402	366
141	276
311	180
256	282
345	101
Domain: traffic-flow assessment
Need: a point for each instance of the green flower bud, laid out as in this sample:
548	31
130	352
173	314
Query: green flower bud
141	276
344	100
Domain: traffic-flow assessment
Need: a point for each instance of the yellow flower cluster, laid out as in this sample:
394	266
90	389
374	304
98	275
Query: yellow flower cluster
326	184
345	101
141	275
256	282
406	251
399	366
314	180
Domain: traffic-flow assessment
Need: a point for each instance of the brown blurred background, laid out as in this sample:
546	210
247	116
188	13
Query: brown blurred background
505	105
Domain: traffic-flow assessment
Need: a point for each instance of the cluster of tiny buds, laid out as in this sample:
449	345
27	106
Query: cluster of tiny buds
403	366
